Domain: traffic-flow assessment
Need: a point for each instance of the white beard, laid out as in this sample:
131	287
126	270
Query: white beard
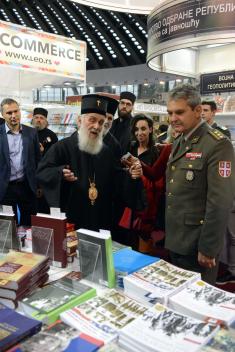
88	145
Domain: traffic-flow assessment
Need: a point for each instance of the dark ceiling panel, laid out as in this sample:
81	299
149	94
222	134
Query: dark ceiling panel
114	39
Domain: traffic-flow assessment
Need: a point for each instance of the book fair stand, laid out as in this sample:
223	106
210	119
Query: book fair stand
63	289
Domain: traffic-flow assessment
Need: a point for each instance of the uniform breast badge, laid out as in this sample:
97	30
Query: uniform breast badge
189	175
92	192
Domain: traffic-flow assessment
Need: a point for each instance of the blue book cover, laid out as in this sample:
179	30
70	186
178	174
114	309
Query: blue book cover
14	327
83	343
128	261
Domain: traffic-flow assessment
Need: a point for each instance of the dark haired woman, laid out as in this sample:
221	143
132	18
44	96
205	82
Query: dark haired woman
144	223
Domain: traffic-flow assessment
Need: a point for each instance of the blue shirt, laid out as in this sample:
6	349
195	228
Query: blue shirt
15	143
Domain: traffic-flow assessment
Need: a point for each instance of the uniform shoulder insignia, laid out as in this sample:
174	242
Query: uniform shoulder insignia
216	134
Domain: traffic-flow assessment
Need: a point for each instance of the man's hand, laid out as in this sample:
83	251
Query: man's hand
136	170
68	174
207	262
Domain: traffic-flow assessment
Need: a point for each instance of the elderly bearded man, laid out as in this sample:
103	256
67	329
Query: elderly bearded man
80	174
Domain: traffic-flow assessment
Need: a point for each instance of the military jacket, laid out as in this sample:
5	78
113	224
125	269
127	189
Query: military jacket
200	185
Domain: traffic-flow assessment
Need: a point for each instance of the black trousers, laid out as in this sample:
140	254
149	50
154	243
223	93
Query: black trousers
19	194
190	262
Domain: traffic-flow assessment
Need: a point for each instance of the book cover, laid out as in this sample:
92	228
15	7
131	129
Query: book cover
223	341
58	225
60	337
12	302
103	316
155	283
17	268
128	261
8	236
15	327
204	301
13	294
116	246
96	257
162	329
47	303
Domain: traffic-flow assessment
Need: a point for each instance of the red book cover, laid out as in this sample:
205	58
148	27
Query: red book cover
59	236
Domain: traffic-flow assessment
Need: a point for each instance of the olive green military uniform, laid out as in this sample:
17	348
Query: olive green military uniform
222	129
200	183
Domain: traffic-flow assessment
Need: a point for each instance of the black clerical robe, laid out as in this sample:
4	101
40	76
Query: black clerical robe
111	181
121	130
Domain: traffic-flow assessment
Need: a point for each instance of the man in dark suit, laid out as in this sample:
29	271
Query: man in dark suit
19	156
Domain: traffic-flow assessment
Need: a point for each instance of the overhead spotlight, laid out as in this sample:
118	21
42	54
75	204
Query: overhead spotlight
178	80
114	87
47	86
162	82
146	83
67	83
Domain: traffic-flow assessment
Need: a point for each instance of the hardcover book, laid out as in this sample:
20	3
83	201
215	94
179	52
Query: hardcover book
103	316
155	283
12	301
15	327
58	225
96	257
8	236
43	241
47	303
204	301
59	337
127	261
17	268
161	329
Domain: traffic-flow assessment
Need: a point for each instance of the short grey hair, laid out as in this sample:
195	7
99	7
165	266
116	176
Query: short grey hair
186	92
8	101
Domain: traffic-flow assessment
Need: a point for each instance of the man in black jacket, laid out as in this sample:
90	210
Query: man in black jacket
121	126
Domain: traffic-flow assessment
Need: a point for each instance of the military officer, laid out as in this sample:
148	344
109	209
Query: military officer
209	109
200	186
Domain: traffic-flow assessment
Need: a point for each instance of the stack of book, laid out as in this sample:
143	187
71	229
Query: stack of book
161	329
103	316
72	242
127	261
15	327
155	283
47	303
59	337
20	274
204	301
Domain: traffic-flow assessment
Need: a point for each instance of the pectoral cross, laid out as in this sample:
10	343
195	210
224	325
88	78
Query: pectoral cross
98	102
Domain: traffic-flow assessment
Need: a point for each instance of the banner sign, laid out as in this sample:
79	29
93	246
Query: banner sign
190	17
218	82
29	49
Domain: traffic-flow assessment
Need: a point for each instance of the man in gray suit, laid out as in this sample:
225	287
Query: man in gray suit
19	156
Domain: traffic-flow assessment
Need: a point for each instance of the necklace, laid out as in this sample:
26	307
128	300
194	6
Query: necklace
92	191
